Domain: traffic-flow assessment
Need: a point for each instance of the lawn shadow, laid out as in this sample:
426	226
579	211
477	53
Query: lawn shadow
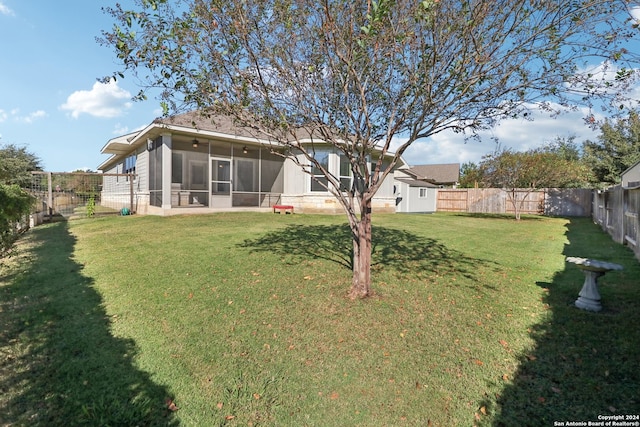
584	364
507	216
402	251
59	363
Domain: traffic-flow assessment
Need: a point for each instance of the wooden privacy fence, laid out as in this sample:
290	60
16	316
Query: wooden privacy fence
549	201
616	210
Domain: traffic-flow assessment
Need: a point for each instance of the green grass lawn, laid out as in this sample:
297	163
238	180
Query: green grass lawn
242	319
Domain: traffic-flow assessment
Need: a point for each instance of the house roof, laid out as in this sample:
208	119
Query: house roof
438	174
190	125
218	124
193	125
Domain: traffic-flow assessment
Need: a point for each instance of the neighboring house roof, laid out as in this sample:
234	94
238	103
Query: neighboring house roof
416	183
630	168
437	174
631	176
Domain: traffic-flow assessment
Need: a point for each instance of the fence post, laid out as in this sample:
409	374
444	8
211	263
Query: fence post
131	178
50	195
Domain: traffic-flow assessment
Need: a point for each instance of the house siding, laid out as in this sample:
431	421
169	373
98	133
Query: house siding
297	193
409	199
631	177
116	190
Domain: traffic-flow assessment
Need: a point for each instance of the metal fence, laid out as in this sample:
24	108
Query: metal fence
75	195
616	210
548	201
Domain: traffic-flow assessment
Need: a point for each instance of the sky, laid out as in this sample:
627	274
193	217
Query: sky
52	104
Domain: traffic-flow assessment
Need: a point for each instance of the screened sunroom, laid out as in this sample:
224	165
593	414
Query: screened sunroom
215	174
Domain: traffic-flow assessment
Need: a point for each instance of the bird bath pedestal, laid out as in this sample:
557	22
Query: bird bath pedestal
589	297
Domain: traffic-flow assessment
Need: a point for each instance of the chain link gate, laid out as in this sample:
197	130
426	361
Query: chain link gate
79	194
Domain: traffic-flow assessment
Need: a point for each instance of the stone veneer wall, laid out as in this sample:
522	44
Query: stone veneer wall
329	205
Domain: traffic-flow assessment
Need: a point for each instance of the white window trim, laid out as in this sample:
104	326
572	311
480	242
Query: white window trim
331	168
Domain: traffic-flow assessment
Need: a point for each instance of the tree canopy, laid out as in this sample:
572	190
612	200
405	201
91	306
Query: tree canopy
358	74
16	163
617	149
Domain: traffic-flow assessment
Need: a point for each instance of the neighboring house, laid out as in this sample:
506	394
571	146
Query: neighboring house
442	176
631	177
416	187
188	163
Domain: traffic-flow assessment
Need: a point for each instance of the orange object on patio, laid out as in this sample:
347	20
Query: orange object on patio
282	208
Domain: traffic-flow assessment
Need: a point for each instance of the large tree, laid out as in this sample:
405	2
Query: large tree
16	165
358	74
617	148
470	175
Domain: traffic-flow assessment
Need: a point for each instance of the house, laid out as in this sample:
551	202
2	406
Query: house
189	164
631	177
416	187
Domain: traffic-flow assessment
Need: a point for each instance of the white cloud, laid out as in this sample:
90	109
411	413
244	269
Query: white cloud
515	134
603	78
32	116
17	117
120	129
103	100
4	10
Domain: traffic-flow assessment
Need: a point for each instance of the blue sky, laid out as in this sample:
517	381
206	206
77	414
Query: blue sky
50	100
51	103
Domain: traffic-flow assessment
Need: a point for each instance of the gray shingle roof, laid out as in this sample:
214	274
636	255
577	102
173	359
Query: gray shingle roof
438	174
416	183
195	120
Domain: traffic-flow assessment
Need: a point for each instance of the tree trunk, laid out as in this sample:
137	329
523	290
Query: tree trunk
516	206
361	286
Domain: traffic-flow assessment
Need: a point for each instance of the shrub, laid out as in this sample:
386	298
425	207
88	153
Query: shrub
15	204
91	206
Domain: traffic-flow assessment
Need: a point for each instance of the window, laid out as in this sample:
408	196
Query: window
423	193
345	173
383	167
322	157
337	165
130	165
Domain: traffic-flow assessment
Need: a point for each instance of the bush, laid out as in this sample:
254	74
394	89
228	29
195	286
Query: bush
91	207
15	204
